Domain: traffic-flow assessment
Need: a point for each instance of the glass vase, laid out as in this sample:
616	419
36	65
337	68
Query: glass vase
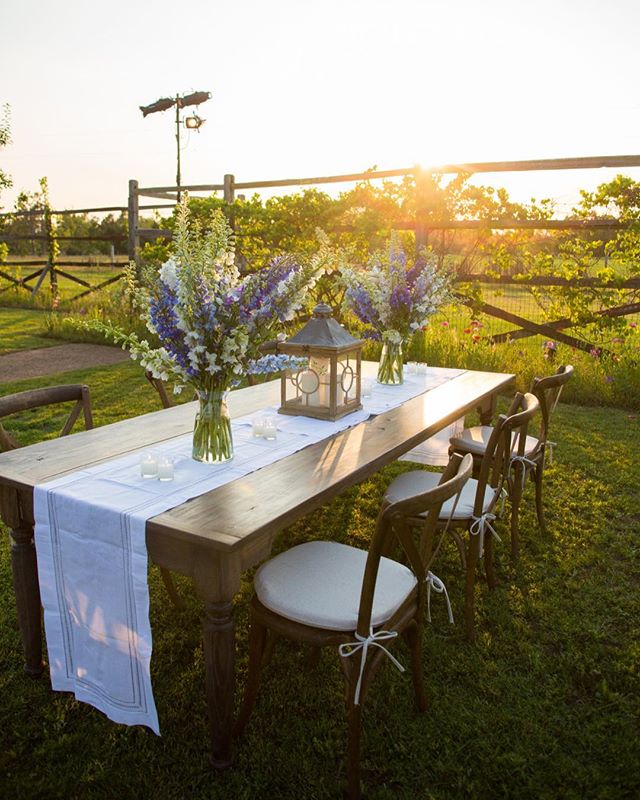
212	438
390	366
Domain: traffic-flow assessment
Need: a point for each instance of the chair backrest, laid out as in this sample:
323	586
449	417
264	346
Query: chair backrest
507	440
548	391
160	388
393	524
37	398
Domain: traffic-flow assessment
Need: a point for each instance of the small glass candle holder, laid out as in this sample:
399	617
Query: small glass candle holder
257	426
366	387
148	465
411	368
269	428
165	468
421	368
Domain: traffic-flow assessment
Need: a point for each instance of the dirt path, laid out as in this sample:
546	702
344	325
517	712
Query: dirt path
44	361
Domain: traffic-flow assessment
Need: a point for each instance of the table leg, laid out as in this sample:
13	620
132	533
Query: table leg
27	590
487	409
219	645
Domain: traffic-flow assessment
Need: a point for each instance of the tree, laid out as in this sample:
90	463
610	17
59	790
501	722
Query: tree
5	139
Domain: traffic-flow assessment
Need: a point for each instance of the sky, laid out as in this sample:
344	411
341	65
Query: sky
310	88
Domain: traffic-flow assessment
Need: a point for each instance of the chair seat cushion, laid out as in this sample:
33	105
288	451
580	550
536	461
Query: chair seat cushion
475	440
416	482
319	584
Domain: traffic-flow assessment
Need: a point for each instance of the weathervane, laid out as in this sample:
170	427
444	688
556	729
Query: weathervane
193	122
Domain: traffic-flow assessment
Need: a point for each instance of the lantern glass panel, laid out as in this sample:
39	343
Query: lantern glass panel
313	383
347	378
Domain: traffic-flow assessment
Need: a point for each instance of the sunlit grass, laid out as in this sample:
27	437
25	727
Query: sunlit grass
545	705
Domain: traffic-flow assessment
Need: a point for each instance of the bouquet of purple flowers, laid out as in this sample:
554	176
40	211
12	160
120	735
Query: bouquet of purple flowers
210	320
394	298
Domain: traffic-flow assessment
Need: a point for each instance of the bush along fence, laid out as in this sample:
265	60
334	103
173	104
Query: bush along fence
530	274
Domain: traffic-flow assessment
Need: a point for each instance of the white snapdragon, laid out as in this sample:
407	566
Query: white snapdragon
169	274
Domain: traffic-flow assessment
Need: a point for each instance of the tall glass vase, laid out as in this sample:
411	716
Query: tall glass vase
212	438
390	366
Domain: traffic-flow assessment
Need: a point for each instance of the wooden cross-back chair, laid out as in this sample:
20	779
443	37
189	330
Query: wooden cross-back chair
37	398
531	465
329	594
160	388
477	506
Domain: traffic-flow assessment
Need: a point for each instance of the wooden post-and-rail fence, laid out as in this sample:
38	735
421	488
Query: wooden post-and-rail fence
423	225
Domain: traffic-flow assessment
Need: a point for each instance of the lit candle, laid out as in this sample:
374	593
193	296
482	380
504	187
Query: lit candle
270	431
165	469
257	426
148	465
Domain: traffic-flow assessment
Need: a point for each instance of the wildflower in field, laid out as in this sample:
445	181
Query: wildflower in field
608	379
549	350
445	324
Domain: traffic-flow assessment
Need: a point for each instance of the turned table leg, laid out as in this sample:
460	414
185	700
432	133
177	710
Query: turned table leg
27	591
219	645
487	409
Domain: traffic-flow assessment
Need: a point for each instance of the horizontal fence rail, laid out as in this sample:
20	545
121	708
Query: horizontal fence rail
425	222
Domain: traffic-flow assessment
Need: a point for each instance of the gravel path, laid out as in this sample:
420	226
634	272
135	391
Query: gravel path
44	361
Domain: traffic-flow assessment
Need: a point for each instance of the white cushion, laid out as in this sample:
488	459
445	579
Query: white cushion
475	440
319	584
418	481
435	451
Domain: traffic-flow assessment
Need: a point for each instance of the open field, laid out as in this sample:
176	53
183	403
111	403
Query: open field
545	705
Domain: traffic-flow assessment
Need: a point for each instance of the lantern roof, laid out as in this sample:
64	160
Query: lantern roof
322	330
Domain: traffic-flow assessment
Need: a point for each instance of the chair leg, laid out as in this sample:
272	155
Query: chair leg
267	651
539	507
170	586
460	545
489	569
473	552
413	638
515	495
313	657
257	641
354	723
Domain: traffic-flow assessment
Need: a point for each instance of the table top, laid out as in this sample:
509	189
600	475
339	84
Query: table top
229	518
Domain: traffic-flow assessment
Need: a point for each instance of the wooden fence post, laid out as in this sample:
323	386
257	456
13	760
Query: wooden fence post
133	218
422	204
229	188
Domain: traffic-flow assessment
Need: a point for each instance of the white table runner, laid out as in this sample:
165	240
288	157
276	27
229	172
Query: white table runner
92	557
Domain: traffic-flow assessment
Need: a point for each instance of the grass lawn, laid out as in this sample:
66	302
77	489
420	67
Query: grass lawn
545	705
22	329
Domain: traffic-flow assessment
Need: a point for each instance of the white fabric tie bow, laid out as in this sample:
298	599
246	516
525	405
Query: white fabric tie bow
526	462
479	527
434	582
363	643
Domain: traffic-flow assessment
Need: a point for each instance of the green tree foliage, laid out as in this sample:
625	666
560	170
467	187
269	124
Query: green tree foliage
5	180
5	139
607	256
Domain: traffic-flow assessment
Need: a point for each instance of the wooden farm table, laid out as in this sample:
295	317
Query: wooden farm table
216	536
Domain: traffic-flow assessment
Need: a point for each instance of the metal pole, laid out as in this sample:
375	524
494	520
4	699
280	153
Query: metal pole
178	143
